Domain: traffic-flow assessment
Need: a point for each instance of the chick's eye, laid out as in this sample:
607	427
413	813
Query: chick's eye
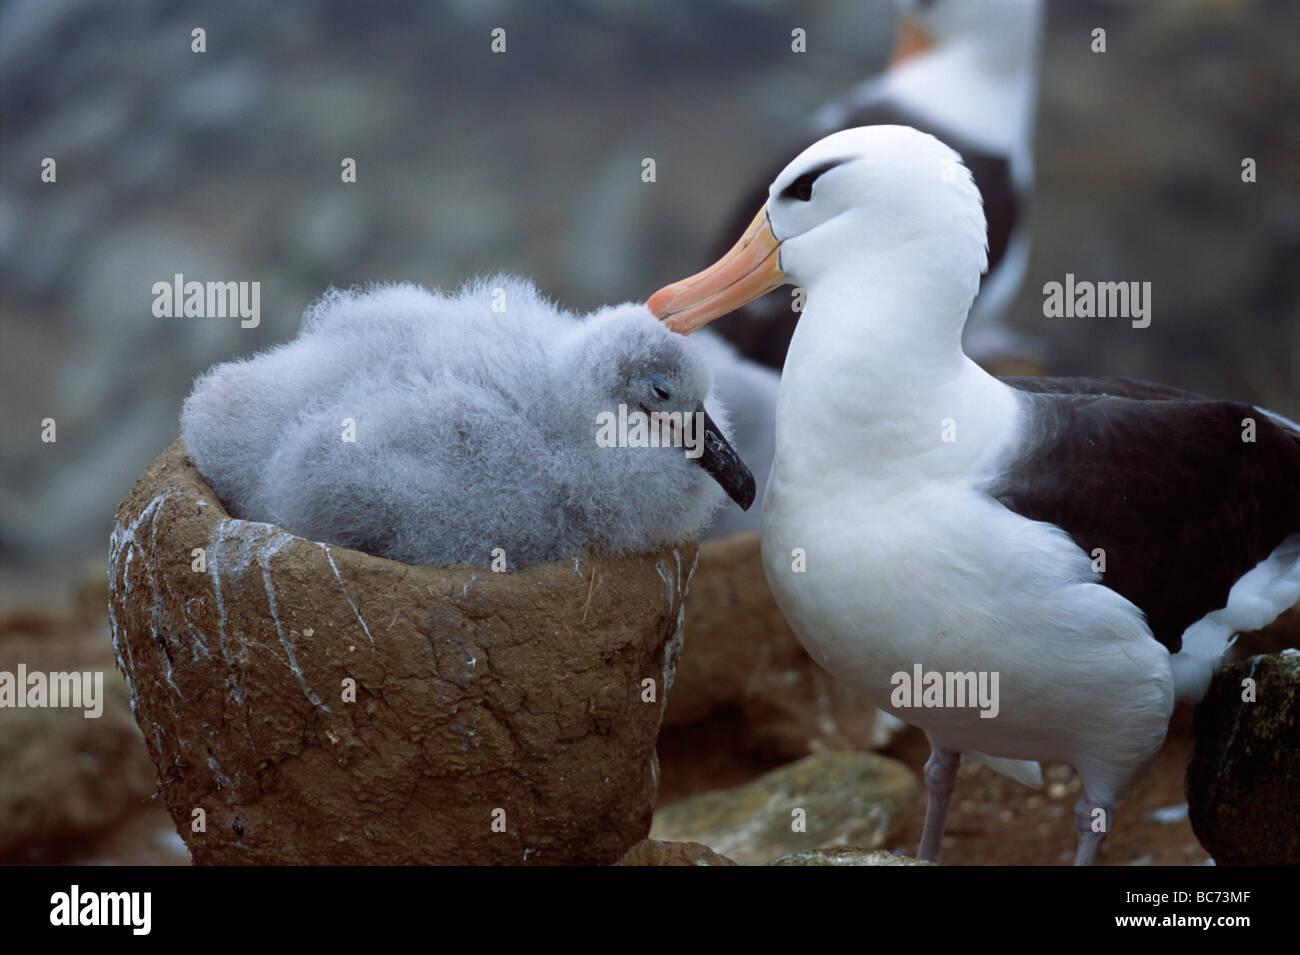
661	393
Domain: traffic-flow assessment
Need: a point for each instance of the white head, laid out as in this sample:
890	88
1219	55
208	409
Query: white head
873	208
944	21
969	67
1005	33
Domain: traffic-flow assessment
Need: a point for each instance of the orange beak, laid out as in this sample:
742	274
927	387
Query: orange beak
911	40
752	268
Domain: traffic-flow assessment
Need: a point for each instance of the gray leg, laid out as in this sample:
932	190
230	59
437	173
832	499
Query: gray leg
940	780
1092	819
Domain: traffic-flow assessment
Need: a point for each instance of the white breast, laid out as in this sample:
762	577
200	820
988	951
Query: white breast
883	556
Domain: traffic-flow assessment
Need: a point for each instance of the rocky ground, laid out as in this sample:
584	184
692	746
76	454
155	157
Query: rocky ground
993	820
74	789
715	774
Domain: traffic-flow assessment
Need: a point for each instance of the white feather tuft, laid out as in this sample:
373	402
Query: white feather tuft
1270	589
1021	770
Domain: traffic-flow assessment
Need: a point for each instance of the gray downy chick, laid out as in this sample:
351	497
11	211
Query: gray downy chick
434	429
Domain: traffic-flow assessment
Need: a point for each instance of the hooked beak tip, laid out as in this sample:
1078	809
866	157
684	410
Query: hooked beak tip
660	303
746	497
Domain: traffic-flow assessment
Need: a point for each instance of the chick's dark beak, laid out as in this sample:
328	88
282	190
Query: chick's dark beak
722	462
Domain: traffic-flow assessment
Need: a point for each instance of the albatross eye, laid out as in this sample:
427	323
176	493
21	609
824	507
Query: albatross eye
661	393
802	187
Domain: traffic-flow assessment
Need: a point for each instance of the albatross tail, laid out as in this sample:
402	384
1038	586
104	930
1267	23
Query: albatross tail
1255	601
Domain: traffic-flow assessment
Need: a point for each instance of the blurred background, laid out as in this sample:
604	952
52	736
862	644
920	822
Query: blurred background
225	165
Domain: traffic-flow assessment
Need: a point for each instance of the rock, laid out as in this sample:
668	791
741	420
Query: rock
846	855
1243	780
63	776
480	698
741	654
653	852
847	799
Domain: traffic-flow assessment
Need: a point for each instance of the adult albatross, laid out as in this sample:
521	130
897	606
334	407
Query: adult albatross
1095	542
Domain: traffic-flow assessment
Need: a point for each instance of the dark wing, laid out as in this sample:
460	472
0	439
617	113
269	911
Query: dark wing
1103	385
1166	485
762	329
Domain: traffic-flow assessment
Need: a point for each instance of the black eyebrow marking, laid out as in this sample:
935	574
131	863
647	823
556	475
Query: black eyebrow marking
801	187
